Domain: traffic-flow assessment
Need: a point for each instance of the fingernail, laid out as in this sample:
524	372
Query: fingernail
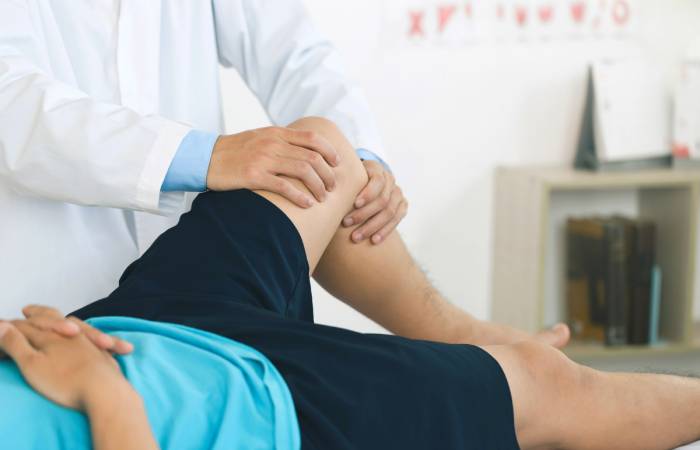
360	203
71	327
376	239
127	347
309	202
337	159
4	326
348	221
358	236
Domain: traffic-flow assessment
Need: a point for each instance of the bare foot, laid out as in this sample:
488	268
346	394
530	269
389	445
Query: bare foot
557	336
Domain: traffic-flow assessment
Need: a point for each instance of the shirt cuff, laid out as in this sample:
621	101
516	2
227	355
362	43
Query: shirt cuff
367	155
189	168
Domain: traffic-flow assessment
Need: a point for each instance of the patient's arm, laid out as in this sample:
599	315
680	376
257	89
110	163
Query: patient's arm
74	373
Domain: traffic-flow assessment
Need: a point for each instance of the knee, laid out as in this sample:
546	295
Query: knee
542	382
350	171
550	368
321	125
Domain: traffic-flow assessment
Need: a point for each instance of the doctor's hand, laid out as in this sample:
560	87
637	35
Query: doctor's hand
260	159
379	207
50	319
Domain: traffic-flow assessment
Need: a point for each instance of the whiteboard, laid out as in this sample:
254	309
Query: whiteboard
632	110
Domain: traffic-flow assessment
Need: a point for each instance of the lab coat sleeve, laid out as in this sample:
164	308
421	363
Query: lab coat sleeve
58	143
291	68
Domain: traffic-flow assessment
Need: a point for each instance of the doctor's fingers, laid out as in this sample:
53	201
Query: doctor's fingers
380	235
303	172
377	184
314	161
278	185
381	220
315	142
373	198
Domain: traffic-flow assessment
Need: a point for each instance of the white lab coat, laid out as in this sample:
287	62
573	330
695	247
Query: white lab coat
95	98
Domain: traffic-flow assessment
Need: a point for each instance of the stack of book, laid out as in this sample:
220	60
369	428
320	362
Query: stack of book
613	281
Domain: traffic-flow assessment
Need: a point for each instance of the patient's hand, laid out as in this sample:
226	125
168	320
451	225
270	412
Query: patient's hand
73	372
69	371
50	319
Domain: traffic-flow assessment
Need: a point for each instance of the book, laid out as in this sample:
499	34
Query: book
641	263
585	281
610	280
617	250
656	280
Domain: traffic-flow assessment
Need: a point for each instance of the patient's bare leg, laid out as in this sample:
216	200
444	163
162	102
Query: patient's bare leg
384	283
562	405
557	403
381	281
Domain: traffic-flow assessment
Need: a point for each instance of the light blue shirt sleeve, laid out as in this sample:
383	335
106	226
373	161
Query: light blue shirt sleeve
367	155
189	168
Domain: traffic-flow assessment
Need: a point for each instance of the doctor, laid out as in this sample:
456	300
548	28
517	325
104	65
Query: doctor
108	107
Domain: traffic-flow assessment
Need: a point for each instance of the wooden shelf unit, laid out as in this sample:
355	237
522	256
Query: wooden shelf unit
522	226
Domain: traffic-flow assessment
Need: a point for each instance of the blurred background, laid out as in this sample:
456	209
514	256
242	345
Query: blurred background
460	88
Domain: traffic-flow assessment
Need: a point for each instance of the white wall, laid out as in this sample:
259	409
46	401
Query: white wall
450	113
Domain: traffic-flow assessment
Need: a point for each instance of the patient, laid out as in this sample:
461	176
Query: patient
226	354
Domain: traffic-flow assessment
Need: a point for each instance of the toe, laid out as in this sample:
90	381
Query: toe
557	336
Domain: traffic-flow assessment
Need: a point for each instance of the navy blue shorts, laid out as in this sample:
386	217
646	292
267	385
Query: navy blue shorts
235	266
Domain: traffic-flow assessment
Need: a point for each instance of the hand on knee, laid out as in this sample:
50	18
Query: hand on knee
379	204
268	158
349	173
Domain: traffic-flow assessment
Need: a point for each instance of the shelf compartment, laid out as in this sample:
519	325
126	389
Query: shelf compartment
528	277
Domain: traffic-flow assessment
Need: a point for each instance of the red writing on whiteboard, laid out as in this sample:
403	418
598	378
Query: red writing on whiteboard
445	13
578	11
416	19
546	13
621	12
521	15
